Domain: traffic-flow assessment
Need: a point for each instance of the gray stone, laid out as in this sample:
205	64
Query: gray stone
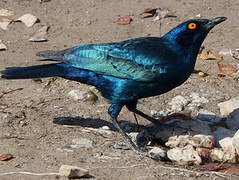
81	143
178	103
184	156
232	120
72	171
228	106
208	116
157	153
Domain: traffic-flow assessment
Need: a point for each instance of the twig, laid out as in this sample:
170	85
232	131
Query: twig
120	167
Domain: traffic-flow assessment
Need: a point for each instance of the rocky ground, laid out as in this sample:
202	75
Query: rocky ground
44	125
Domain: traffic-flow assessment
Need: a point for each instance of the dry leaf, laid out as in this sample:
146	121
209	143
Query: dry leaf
6	157
2	46
1	93
157	13
226	69
28	19
39	35
123	20
209	55
149	11
4	22
5	12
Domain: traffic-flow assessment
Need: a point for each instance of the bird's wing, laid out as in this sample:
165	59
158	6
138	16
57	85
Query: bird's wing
131	59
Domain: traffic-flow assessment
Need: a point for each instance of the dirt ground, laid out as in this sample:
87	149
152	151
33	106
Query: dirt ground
35	130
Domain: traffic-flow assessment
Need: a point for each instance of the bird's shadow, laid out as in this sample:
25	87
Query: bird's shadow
83	122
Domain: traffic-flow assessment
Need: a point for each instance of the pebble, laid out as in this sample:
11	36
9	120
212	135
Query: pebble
72	171
199	140
82	95
232	120
178	103
235	141
225	52
81	143
158	153
228	106
196	99
184	156
208	116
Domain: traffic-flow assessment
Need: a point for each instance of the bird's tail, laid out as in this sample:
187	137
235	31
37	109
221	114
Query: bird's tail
54	55
39	71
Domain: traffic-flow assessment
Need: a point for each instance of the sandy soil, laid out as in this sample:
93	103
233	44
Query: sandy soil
39	109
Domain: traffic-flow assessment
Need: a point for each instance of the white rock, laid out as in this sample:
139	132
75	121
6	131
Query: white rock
81	95
2	46
208	116
5	12
195	141
72	171
4	22
185	155
228	106
235	141
221	133
196	99
227	154
81	143
178	103
225	52
157	153
100	131
232	120
28	19
39	35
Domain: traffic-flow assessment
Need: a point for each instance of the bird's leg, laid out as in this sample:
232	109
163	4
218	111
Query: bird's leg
132	107
114	112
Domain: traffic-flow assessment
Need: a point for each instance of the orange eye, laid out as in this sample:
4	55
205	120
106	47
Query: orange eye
192	26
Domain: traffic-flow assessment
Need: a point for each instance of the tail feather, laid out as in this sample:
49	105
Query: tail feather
54	55
39	71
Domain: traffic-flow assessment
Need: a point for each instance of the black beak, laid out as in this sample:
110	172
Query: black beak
214	21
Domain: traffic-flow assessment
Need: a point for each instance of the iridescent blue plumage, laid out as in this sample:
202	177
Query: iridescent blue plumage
129	70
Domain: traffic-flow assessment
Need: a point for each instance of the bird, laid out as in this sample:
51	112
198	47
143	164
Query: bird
129	70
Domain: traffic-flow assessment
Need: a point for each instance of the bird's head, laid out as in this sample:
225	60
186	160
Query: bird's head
191	33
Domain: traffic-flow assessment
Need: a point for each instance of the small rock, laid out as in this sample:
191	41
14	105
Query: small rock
82	95
28	19
2	46
208	116
228	106
232	120
178	103
39	35
221	133
226	154
184	156
72	171
105	127
225	52
196	99
119	145
195	141
81	143
158	153
235	141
